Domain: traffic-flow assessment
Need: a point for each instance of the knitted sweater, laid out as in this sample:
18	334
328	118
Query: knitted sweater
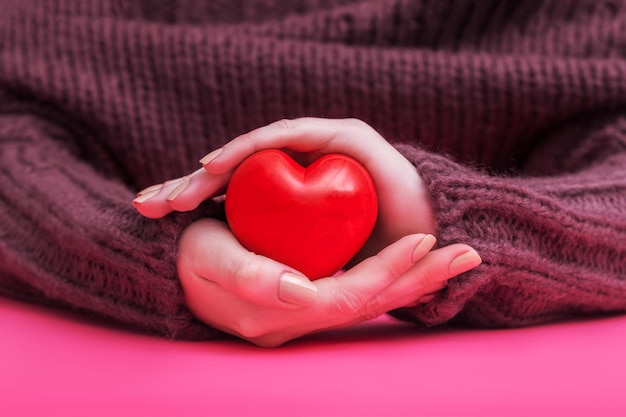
514	114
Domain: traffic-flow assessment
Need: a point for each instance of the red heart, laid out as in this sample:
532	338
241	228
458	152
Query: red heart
313	219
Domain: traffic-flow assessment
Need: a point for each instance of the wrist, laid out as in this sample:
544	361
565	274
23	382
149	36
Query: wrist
413	211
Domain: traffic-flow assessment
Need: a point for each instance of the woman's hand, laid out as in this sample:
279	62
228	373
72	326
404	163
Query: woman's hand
404	204
267	303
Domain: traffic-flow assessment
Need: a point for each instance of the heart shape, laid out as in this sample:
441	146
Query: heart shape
313	219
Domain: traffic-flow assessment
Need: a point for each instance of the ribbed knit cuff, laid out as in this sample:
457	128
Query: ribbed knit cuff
545	256
450	187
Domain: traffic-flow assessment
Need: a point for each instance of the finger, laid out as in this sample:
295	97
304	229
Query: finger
271	327
426	298
307	134
211	251
435	287
435	268
151	202
180	194
431	294
195	188
393	175
348	293
339	299
428	272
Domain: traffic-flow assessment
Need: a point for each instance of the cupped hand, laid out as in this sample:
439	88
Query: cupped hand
404	203
268	303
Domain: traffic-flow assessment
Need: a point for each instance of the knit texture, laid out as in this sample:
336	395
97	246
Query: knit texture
514	113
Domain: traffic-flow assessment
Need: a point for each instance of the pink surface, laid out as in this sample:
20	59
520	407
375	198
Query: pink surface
55	365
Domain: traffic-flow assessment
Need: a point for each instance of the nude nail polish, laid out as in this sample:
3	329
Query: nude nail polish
179	189
142	198
464	262
297	290
423	247
150	189
211	156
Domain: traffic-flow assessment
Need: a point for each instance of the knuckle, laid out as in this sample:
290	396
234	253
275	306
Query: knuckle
353	121
286	124
245	273
373	308
365	306
349	304
248	141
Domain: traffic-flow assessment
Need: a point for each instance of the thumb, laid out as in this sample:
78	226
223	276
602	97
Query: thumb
209	250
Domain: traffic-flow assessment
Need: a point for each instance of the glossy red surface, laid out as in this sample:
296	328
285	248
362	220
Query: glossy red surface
313	219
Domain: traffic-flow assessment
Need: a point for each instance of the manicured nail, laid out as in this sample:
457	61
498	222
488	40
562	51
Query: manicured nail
150	189
179	189
295	289
208	158
464	262
423	247
146	196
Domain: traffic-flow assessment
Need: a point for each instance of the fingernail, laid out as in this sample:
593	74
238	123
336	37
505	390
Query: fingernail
150	189
295	289
423	247
179	189
208	158
464	262
142	198
426	299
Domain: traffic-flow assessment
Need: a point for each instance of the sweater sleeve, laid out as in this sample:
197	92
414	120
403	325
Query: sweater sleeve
552	237
70	237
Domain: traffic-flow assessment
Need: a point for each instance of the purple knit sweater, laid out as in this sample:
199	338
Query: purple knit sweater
514	113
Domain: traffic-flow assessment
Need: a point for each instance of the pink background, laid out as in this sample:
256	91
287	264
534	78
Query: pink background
53	364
